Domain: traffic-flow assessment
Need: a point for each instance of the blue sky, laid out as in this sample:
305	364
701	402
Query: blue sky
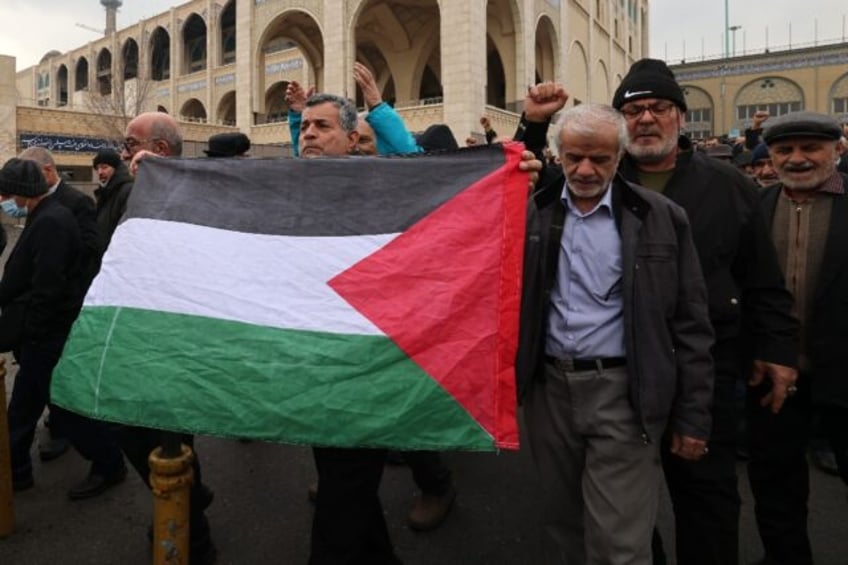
30	28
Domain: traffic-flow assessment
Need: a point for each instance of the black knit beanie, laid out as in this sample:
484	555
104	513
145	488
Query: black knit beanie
21	177
649	78
107	157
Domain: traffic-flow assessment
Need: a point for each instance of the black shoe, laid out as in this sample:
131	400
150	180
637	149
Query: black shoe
53	448
824	460
22	484
205	497
95	484
203	553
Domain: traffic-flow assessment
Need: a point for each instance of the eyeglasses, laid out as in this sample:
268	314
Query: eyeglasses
131	143
657	110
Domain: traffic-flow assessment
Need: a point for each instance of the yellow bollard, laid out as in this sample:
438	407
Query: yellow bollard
7	503
170	481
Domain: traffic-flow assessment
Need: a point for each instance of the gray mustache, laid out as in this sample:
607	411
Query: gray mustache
798	168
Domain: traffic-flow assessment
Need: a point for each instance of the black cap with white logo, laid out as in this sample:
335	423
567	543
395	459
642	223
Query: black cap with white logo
649	78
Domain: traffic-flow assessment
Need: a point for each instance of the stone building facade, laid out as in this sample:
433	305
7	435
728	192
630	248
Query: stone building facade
723	94
221	65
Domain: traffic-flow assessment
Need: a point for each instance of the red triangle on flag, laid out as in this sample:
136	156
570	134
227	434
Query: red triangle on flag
447	292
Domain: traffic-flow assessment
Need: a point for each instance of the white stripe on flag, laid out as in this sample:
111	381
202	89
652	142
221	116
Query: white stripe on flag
273	281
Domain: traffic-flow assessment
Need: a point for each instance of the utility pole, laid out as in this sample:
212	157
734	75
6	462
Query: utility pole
733	30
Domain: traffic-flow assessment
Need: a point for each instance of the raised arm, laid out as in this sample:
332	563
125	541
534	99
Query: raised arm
393	137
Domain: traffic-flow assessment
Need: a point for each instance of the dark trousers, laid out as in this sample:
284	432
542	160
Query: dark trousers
137	444
428	471
95	440
31	394
835	422
348	527
704	493
779	473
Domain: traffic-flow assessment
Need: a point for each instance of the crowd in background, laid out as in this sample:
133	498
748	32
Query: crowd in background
665	301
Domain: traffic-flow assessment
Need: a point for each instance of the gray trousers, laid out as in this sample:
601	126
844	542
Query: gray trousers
599	478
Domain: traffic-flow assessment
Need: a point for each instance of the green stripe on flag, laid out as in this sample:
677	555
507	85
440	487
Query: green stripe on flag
217	377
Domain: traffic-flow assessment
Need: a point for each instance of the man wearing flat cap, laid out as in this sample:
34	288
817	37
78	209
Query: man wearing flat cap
720	151
749	305
806	211
764	173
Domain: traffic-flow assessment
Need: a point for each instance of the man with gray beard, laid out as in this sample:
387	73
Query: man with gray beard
806	210
614	347
749	305
748	302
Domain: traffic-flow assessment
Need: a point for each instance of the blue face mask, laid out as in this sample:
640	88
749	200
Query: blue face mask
12	209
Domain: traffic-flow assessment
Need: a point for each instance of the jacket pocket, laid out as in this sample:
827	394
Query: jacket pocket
657	252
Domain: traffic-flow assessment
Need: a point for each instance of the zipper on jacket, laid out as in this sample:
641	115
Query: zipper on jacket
631	360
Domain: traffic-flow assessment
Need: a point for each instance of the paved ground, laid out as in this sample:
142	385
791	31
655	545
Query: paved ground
261	514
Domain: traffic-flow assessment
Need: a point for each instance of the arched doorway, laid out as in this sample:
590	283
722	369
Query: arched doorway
194	44
546	52
228	34
104	72
503	34
226	114
81	75
776	95
129	56
160	55
62	86
193	111
399	42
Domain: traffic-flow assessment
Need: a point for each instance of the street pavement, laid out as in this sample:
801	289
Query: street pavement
261	513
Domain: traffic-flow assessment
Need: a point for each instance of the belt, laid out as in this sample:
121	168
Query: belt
586	364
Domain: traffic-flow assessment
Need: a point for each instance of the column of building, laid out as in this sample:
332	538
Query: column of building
339	51
176	39
8	109
213	33
245	65
463	64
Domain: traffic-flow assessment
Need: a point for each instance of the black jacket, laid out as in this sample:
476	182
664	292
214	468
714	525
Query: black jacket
43	271
827	333
744	281
82	207
112	203
666	325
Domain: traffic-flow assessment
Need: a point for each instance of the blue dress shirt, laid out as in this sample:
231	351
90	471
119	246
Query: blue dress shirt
586	314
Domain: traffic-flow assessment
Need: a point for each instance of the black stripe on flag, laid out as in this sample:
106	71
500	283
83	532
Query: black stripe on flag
306	197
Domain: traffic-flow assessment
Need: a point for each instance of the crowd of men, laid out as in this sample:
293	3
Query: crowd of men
656	279
750	154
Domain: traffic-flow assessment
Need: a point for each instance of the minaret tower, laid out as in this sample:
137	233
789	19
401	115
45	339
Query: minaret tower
111	14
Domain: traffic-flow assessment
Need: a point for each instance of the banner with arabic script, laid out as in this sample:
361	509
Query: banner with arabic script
65	143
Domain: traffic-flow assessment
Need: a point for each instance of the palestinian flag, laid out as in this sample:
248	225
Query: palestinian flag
343	302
